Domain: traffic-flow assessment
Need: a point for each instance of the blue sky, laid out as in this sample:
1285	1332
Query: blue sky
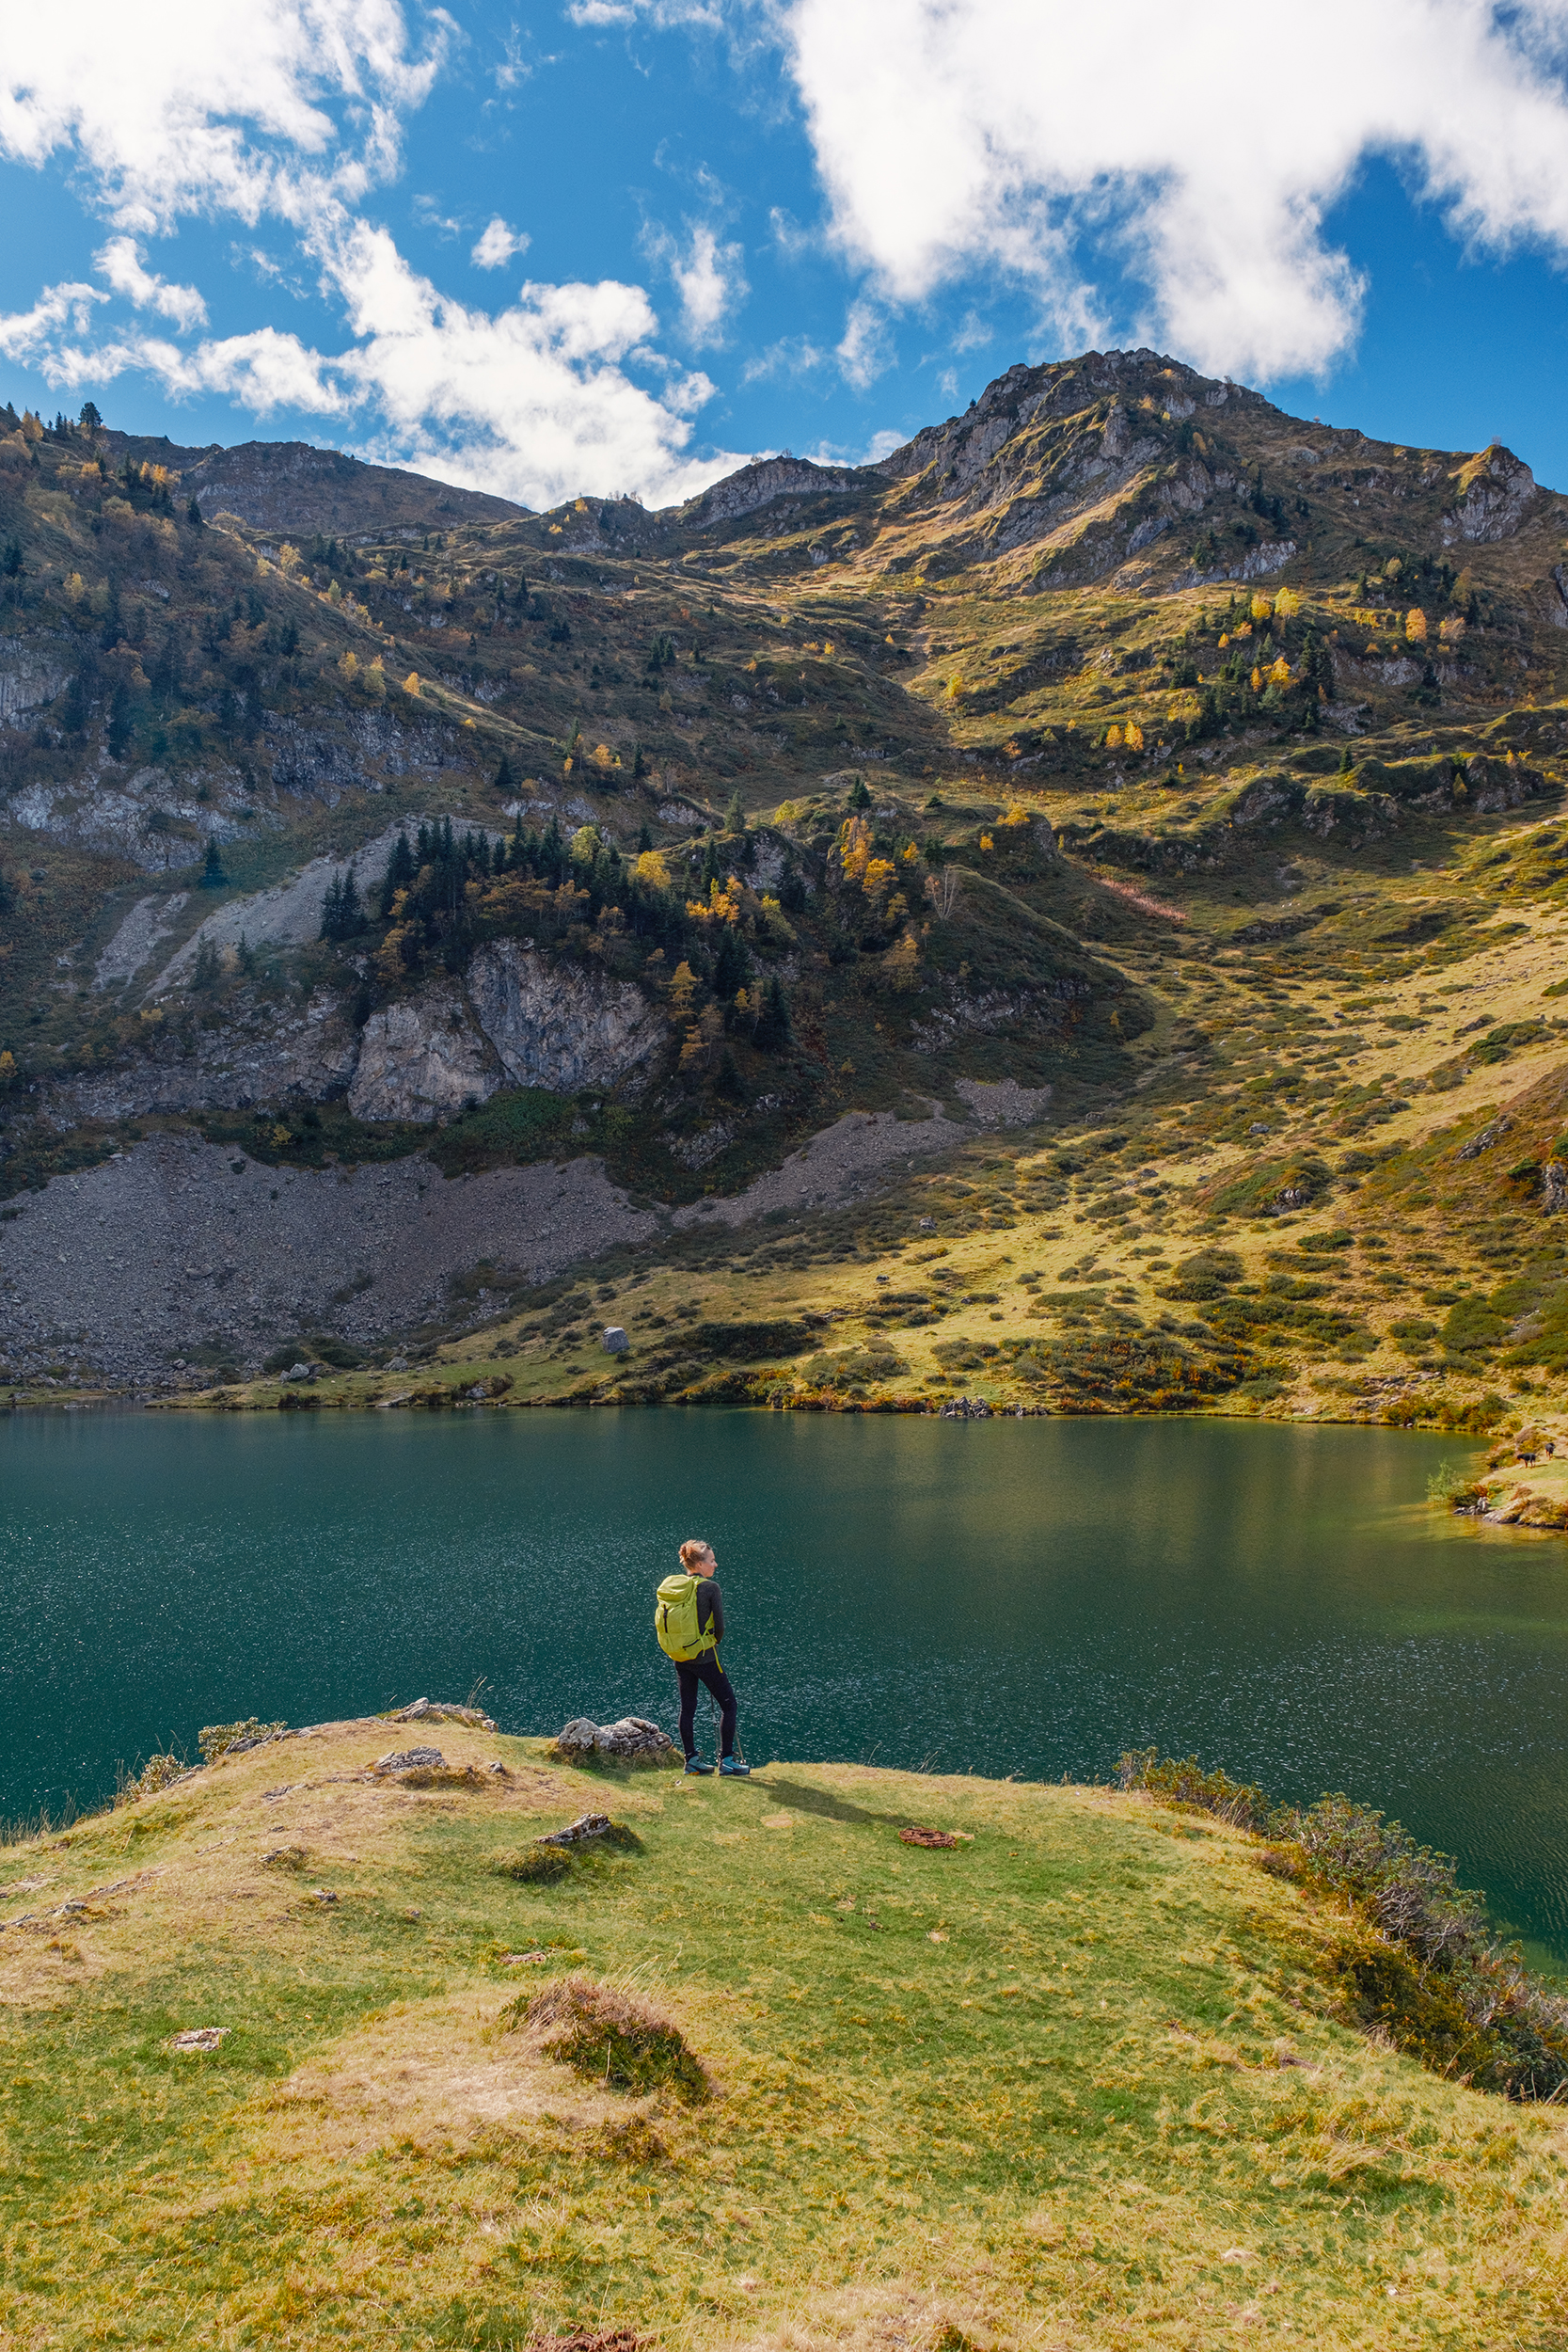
624	243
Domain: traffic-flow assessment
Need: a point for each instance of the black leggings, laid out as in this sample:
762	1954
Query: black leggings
707	1670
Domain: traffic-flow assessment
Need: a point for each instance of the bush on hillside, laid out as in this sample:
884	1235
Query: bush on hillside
1417	1963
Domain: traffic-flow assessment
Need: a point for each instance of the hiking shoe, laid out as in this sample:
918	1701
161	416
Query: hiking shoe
733	1769
695	1764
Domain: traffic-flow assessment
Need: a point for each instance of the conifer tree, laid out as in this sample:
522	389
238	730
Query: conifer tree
401	870
772	1031
213	875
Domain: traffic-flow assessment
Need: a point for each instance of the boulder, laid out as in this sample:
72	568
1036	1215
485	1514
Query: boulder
586	1826
633	1739
422	1059
615	1340
405	1760
443	1711
554	1026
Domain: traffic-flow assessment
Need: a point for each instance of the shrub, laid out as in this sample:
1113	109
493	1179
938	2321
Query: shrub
1418	1964
611	2037
159	1771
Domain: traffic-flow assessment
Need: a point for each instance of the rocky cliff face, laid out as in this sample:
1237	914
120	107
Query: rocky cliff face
422	1059
521	1022
555	1026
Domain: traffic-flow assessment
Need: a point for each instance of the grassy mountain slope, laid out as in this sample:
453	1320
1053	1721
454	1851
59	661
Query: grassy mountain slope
1087	2077
1124	737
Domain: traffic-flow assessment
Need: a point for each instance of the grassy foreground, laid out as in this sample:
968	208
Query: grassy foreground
1077	2082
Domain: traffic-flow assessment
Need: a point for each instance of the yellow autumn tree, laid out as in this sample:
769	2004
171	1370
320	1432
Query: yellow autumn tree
1261	609
854	848
411	684
901	964
1415	625
1287	604
683	990
1133	736
1279	672
878	879
652	872
1113	738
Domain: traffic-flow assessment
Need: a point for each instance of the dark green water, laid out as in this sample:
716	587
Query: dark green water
1025	1597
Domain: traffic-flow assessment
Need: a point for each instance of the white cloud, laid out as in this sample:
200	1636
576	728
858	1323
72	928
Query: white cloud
1011	137
498	244
708	276
792	355
865	352
28	336
121	265
174	107
958	134
292	110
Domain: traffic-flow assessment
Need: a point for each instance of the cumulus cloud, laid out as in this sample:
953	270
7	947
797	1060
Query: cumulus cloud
121	263
498	244
1017	136
865	351
29	337
174	107
292	110
1007	133
708	276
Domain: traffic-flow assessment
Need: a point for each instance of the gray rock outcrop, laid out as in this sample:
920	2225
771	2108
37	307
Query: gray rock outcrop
633	1738
422	1059
553	1025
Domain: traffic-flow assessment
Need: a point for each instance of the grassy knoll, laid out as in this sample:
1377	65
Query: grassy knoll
1082	2080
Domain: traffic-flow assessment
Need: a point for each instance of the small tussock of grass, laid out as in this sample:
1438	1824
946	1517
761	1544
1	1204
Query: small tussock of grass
448	1776
611	2037
546	1864
534	1866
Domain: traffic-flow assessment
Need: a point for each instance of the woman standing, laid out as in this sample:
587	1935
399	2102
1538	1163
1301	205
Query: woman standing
688	1621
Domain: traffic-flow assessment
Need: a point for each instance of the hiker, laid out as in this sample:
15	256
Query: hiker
690	1623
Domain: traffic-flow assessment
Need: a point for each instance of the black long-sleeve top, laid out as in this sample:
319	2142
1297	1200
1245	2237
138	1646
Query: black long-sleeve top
710	1608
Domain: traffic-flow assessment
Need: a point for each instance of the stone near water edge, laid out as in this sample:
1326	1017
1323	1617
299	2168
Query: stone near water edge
405	1760
615	1340
633	1738
298	1371
443	1711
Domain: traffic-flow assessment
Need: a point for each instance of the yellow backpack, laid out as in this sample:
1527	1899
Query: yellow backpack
675	1619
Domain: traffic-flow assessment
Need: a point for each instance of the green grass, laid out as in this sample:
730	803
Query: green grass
1082	2079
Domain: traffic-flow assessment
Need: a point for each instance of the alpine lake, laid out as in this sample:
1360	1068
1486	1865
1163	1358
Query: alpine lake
1003	1597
